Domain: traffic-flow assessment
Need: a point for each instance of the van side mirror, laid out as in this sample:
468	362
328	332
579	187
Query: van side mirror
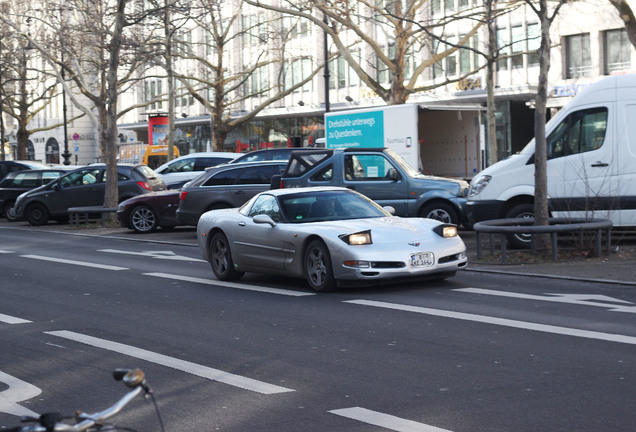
275	181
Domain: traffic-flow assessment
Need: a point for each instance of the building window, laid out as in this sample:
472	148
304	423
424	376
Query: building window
384	72
618	54
578	58
503	46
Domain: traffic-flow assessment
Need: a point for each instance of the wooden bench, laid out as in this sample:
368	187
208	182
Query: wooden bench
81	214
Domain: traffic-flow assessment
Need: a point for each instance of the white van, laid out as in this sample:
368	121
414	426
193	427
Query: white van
591	162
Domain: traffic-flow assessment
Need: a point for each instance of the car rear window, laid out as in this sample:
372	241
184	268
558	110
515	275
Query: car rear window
301	162
227	177
146	171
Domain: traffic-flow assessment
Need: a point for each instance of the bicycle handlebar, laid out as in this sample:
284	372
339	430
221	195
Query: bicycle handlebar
50	422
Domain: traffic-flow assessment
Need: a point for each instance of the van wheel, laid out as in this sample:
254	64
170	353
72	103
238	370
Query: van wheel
37	214
521	211
440	211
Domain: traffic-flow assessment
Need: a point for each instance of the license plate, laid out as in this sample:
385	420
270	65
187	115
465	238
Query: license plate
422	259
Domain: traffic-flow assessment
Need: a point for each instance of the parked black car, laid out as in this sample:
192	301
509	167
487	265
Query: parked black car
83	187
17	182
18	165
225	186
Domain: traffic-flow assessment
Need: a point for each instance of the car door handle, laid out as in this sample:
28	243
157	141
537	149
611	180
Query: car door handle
600	164
241	224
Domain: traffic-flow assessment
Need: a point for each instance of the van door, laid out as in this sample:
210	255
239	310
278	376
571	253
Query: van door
581	164
626	170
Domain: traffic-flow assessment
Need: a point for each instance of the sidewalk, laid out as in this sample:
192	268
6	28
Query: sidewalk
619	267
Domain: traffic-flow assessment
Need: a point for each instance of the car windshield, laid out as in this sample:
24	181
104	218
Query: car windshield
329	205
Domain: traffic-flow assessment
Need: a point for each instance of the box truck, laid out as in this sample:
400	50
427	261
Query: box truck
591	163
440	140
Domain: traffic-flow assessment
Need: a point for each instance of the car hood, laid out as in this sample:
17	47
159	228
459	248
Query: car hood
384	227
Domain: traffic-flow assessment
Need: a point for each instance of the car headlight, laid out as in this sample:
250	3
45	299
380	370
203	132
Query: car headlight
445	230
360	238
479	185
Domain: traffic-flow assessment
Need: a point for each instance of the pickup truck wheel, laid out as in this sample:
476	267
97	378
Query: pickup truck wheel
37	214
318	268
521	240
440	211
220	257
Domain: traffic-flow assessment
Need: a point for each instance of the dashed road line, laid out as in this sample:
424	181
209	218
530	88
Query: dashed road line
385	420
234	285
8	319
75	262
566	331
174	363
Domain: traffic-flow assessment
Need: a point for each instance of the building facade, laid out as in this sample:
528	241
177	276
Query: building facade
589	42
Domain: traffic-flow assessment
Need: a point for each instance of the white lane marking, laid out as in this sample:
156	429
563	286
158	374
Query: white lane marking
608	337
231	285
385	420
74	262
174	363
18	391
577	299
166	255
5	251
8	319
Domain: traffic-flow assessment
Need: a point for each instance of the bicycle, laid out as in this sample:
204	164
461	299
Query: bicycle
134	379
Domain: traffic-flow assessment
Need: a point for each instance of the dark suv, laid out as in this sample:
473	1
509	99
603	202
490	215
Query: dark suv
225	186
18	165
83	187
18	182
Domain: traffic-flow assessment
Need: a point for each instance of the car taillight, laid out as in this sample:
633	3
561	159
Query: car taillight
183	194
144	185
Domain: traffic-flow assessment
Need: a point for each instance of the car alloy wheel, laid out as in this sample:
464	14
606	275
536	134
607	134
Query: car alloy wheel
143	219
221	259
318	269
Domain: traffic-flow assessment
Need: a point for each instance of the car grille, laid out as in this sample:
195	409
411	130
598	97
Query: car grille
387	264
449	258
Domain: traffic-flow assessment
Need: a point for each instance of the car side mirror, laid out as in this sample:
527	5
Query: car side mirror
264	219
393	174
390	209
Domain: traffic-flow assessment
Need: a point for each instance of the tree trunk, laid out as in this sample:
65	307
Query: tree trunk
541	213
112	190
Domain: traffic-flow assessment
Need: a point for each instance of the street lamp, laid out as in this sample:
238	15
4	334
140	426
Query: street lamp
66	155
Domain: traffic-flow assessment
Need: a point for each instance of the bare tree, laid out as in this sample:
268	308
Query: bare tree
627	15
348	23
546	11
26	89
213	74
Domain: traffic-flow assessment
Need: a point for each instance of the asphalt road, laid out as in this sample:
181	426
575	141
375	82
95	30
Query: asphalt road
479	352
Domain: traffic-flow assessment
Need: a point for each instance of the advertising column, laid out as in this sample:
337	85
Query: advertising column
158	130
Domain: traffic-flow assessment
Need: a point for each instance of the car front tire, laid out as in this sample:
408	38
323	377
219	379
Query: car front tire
442	212
37	214
318	268
220	258
143	219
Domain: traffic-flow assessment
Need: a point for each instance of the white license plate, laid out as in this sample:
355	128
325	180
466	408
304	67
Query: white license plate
422	259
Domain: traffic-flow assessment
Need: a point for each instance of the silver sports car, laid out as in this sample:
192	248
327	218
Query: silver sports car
329	236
